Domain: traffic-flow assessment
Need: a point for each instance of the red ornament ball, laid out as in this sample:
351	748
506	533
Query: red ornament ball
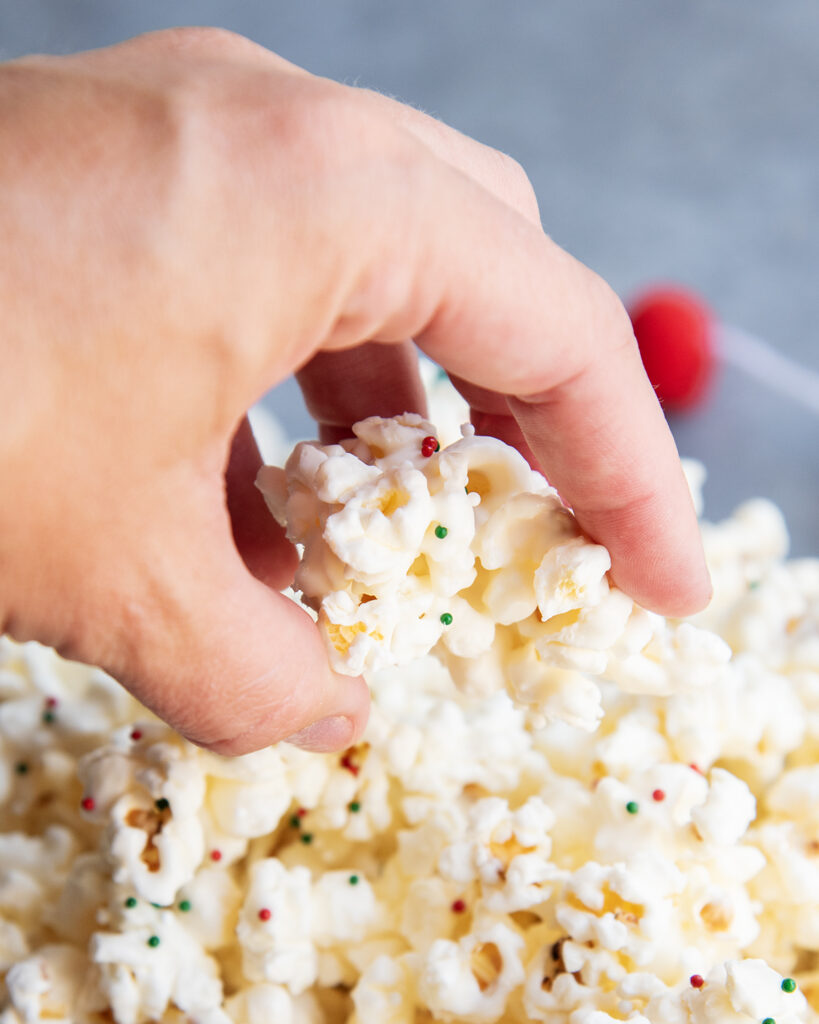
673	330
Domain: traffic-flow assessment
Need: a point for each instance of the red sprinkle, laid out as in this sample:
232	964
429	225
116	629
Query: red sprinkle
658	795
136	734
265	914
347	762
88	803
301	812
458	907
429	446
215	854
695	768
697	981
51	702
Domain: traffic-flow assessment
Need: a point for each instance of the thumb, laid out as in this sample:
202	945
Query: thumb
229	663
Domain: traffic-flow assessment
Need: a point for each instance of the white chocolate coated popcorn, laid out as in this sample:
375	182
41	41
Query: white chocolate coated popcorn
467	860
468	553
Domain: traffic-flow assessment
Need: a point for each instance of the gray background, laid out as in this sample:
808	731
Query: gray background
667	141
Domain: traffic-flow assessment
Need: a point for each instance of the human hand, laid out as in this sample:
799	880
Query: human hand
187	219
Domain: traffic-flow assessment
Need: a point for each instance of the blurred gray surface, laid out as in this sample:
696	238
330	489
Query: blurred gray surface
666	141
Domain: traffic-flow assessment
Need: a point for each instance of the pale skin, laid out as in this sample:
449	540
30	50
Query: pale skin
186	220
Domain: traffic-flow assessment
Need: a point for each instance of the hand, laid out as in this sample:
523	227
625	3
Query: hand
186	220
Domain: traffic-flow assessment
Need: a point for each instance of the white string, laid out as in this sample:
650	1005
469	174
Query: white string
762	361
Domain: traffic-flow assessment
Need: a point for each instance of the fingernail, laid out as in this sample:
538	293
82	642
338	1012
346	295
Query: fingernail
325	735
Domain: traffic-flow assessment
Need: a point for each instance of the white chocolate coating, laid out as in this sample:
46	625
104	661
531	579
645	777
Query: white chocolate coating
468	861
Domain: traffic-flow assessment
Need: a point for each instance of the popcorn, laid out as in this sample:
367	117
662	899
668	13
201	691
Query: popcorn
469	554
481	854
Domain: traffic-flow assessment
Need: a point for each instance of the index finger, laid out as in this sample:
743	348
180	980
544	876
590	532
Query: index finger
568	371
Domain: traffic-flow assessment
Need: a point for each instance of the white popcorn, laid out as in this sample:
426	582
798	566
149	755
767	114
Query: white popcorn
472	978
479	854
470	554
278	948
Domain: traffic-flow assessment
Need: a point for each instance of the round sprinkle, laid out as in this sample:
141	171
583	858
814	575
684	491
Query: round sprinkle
301	812
265	914
632	807
769	1020
162	804
658	795
697	981
87	803
295	821
215	854
446	618
21	768
429	446
153	942
49	717
131	902
51	702
184	906
441	532
354	806
353	879
458	907
788	985
136	734
307	838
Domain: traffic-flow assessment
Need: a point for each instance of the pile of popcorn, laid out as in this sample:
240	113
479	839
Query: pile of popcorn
564	809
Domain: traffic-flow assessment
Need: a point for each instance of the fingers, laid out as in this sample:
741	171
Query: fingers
498	173
503	308
229	663
258	537
371	380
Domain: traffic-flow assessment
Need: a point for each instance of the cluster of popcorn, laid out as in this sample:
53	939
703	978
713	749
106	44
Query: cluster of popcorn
463	863
466	552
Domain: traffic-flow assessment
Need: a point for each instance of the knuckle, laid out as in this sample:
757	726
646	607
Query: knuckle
515	187
203	41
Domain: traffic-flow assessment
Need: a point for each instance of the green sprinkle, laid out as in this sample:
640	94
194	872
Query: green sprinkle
355	806
632	807
307	838
49	717
441	532
131	902
753	585
769	1020
295	821
185	906
157	905
353	879
788	985
153	942
446	618
21	768
162	804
